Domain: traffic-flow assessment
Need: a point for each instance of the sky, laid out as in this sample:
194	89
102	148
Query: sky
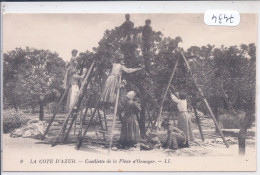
63	32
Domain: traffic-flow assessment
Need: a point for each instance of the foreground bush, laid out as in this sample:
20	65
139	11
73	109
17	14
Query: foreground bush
231	121
12	119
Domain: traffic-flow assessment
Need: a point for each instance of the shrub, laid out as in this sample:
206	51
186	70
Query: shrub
231	121
12	119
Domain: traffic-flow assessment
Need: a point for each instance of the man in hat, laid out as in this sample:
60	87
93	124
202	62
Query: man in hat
184	119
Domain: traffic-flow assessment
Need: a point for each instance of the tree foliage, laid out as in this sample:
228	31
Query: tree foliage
29	73
229	71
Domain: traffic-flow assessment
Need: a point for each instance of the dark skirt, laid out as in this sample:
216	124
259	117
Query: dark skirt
129	131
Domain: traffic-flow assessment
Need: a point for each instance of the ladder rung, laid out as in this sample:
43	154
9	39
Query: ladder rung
206	126
211	135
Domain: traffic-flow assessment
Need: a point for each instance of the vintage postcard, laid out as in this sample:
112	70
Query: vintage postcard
129	91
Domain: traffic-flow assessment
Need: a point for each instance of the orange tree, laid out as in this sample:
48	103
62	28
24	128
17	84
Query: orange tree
32	77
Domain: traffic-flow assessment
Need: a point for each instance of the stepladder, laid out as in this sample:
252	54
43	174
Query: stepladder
74	110
203	98
96	109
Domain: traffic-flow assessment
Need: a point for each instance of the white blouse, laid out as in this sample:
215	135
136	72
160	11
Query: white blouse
181	104
118	68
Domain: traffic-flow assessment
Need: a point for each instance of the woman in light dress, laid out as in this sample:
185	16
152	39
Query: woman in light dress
72	78
112	83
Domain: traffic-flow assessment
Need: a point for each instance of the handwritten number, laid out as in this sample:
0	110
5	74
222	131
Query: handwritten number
220	17
231	19
214	17
226	18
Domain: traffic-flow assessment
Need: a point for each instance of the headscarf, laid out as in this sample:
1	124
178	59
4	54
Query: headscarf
131	95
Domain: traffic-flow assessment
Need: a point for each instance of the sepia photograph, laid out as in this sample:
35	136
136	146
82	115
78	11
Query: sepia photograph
128	92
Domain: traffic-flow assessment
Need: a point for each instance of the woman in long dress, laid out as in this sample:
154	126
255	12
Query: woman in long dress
71	80
184	119
74	88
112	83
130	129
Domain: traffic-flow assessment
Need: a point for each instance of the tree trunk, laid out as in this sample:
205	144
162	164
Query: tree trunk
33	109
142	119
41	115
244	125
242	140
215	110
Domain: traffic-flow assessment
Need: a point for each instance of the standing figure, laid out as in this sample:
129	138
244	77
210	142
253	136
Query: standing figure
146	36
71	80
130	129
112	83
146	42
127	29
74	90
184	119
70	68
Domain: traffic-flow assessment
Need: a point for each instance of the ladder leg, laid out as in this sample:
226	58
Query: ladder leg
105	117
158	119
75	126
75	103
61	131
74	116
84	117
199	124
205	101
55	112
86	129
101	124
114	117
216	123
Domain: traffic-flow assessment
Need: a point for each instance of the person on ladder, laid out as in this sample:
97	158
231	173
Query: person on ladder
127	30
108	95
72	81
70	68
184	119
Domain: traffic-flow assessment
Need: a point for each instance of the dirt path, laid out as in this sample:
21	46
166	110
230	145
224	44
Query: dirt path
32	154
